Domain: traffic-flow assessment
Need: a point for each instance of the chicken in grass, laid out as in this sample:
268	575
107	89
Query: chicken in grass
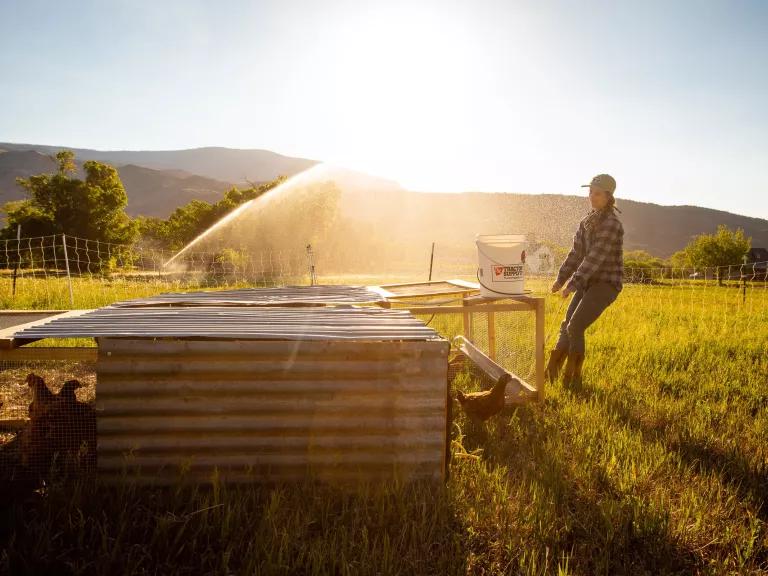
480	406
42	398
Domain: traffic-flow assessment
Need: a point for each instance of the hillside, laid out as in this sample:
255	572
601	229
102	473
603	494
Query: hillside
159	182
456	218
150	192
227	164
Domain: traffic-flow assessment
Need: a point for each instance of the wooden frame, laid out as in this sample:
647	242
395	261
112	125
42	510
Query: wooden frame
490	306
461	289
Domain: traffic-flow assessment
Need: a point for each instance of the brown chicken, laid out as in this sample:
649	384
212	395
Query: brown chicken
480	406
35	445
42	398
73	427
67	393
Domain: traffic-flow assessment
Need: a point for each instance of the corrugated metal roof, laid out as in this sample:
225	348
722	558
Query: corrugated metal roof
272	323
285	296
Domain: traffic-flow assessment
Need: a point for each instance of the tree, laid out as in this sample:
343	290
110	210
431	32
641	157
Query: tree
189	221
719	250
59	203
641	259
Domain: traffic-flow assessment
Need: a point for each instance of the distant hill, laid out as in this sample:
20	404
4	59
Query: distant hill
150	192
226	164
160	192
159	182
457	218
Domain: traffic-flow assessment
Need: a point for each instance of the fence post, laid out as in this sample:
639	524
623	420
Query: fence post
744	280
312	278
69	278
431	260
18	258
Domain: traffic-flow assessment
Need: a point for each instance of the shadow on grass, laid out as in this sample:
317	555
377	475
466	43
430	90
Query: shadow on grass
601	531
84	526
734	470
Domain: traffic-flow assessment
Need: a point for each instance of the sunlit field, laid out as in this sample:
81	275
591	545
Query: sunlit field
657	464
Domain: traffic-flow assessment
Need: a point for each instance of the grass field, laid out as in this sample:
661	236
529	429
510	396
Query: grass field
658	464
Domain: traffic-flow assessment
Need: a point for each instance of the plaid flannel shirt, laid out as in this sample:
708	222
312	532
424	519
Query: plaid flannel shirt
596	256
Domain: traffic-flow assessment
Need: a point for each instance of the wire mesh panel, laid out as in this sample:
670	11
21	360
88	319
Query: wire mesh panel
60	272
47	417
507	337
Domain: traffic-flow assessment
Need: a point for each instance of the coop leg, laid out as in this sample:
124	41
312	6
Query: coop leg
467	323
540	349
492	335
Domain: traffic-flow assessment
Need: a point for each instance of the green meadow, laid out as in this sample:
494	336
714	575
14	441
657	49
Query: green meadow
656	464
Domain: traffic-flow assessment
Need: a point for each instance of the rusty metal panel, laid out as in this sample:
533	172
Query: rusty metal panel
334	411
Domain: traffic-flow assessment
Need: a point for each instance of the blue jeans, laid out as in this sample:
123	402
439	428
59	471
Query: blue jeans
585	307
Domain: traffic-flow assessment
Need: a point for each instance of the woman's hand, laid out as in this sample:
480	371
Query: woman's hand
556	287
567	292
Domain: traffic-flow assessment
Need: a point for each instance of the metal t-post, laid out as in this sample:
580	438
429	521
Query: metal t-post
310	256
69	278
743	280
18	258
431	260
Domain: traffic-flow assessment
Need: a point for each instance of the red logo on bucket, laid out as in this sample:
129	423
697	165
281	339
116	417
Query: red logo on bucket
498	270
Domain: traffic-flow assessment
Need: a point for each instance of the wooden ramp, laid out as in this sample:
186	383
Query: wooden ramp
518	390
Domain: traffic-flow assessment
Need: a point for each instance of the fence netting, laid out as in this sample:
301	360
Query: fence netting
49	423
66	272
48	419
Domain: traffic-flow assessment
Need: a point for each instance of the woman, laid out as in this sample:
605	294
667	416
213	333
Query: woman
593	272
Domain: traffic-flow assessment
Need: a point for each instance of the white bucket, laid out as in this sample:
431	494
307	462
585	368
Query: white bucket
501	260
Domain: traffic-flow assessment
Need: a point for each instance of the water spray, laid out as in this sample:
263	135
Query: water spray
293	180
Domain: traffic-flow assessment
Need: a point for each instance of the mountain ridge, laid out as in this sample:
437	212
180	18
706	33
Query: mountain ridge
174	178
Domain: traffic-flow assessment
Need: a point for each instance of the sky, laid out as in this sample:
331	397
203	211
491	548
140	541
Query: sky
671	98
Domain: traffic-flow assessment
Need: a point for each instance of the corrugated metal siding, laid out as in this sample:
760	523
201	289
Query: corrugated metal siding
340	323
285	296
272	411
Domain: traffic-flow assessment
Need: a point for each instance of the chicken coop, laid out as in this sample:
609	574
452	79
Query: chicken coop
334	382
263	392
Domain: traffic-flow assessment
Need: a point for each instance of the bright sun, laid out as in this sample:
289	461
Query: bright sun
404	88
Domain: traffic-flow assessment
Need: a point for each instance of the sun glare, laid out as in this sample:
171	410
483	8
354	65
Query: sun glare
405	88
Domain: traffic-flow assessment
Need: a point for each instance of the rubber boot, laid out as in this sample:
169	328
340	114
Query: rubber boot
556	359
572	374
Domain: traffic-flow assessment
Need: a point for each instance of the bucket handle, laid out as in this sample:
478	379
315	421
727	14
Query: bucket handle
480	273
491	259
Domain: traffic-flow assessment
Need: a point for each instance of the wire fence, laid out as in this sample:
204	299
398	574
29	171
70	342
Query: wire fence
63	272
682	305
67	272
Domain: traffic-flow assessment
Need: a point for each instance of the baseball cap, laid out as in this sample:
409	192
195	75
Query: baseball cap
603	182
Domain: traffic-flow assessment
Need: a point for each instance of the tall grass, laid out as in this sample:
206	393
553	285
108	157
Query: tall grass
657	464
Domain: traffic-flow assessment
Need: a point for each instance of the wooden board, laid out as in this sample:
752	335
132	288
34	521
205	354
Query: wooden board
8	341
518	390
29	354
421	289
